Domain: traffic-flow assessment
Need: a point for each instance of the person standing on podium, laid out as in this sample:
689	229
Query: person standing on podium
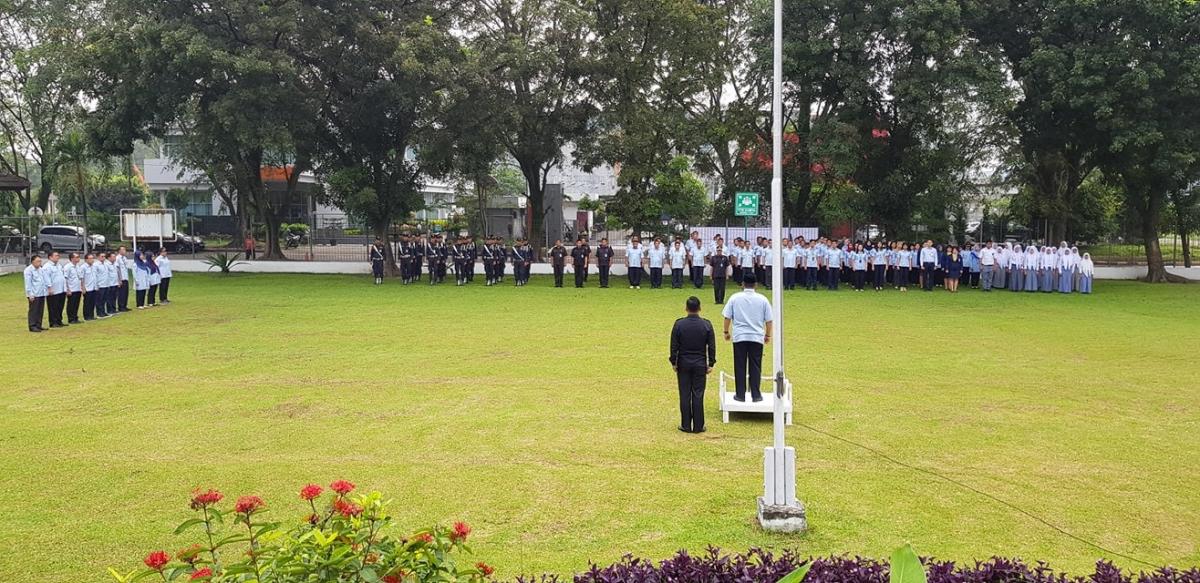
693	354
748	318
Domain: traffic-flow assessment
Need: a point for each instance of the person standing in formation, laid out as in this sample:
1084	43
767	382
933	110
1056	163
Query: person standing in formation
698	260
929	263
558	259
74	288
141	279
155	280
580	260
36	290
720	271
375	254
56	298
89	277
604	256
122	263
635	259
748	317
693	355
656	257
679	260
488	253
987	266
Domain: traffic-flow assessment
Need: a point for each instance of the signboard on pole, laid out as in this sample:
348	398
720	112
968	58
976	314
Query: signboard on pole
745	204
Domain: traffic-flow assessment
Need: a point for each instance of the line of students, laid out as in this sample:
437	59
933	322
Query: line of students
97	282
414	252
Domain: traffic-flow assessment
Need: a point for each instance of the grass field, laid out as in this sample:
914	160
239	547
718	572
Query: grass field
546	418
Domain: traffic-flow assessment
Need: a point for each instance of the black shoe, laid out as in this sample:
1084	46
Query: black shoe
35	329
89	319
740	399
757	399
701	430
127	309
683	430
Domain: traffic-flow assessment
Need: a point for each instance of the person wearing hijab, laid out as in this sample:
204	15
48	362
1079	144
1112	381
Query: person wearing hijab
155	279
1031	268
1087	272
1016	264
141	279
1049	264
1003	265
1066	272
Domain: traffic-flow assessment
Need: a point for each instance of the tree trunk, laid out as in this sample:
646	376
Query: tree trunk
390	269
1186	241
537	191
1156	270
273	249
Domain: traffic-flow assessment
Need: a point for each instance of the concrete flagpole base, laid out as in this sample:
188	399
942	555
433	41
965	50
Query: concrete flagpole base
786	518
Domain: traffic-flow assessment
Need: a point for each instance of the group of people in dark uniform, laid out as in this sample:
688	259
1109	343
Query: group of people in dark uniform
434	256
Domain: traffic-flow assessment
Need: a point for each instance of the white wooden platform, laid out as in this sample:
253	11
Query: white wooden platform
767	405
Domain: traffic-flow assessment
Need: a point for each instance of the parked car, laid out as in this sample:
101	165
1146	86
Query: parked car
180	243
66	238
12	239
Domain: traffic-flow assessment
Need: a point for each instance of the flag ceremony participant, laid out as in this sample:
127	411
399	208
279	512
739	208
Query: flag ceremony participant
36	290
141	279
56	296
656	257
604	256
89	277
679	259
164	272
698	260
635	260
74	288
748	318
693	355
122	263
558	259
375	254
719	263
581	258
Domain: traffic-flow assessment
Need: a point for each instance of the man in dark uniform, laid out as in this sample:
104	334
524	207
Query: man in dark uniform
588	250
436	256
720	270
407	254
558	259
581	258
489	261
501	264
470	252
376	254
604	256
458	251
693	354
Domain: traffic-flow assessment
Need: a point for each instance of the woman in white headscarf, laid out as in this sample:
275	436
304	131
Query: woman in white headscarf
1066	270
1003	265
1016	263
1031	268
1049	264
1087	271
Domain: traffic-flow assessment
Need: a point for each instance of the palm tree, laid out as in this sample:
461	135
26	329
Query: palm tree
74	155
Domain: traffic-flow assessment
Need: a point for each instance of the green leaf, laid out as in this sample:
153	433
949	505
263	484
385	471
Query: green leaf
120	578
906	566
188	524
798	575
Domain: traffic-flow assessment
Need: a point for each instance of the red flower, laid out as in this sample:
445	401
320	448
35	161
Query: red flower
206	498
342	487
346	509
157	560
249	505
204	573
461	531
391	579
189	554
485	569
878	133
310	492
424	537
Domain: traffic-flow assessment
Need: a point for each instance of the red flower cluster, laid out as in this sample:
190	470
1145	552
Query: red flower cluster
189	554
310	492
249	505
342	487
157	560
346	508
201	574
485	569
460	532
204	499
424	537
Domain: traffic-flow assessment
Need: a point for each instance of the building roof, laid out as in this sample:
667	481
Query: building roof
12	182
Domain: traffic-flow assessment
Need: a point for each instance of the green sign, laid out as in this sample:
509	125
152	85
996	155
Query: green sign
745	204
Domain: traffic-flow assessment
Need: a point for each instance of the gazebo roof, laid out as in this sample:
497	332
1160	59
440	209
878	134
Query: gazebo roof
12	182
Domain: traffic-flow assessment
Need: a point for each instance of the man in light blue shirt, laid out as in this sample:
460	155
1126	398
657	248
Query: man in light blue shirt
36	290
56	298
699	260
678	256
655	256
929	263
748	319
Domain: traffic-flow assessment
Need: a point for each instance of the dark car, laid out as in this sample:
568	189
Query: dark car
179	244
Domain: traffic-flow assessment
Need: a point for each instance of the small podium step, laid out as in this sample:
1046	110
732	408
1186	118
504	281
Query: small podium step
766	406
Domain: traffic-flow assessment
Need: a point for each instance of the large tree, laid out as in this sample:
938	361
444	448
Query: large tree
389	76
537	55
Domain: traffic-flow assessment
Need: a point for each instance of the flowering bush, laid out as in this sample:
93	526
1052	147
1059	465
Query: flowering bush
340	538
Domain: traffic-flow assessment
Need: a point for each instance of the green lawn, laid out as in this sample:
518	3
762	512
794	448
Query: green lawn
546	418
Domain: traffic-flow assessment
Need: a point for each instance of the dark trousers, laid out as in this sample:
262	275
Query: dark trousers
635	276
691	397
834	277
150	295
789	278
123	296
604	270
655	277
760	275
73	307
676	278
902	278
89	305
558	275
141	297
928	269
163	286
860	279
811	281
719	290
489	270
698	276
110	300
737	274
580	274
880	276
56	303
747	361
36	307
101	301
974	279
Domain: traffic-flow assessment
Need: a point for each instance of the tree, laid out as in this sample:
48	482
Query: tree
1185	216
37	103
674	192
538	54
388	73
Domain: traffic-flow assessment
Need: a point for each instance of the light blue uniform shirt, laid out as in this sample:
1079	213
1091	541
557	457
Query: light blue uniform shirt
164	265
90	275
929	255
789	257
55	278
656	256
749	313
678	257
35	282
634	255
699	255
859	260
71	275
833	258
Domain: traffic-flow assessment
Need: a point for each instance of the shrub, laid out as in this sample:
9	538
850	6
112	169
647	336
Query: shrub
338	538
760	566
223	261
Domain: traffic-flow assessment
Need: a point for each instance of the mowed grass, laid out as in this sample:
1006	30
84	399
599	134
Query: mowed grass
546	418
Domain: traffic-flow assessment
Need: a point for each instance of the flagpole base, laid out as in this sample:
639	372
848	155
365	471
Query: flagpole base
785	518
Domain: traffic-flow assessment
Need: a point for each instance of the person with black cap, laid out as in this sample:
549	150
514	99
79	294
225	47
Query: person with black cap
558	260
581	256
604	256
376	254
693	355
522	255
720	272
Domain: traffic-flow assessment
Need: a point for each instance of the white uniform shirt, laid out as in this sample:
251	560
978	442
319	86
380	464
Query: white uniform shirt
987	256
699	257
678	257
122	268
655	255
54	278
71	275
35	282
90	276
164	266
749	313
634	255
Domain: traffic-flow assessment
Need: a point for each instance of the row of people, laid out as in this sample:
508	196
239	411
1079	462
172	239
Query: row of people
97	282
437	258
